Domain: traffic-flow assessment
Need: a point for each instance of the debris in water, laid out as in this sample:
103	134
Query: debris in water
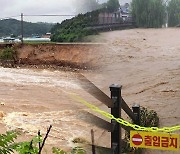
2	103
1	115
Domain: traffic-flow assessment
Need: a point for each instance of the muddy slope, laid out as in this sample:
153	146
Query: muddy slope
71	55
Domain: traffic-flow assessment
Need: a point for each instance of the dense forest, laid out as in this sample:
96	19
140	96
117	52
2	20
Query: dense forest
174	13
155	13
148	13
13	26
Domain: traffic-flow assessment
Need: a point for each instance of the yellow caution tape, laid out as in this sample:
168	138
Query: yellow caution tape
121	121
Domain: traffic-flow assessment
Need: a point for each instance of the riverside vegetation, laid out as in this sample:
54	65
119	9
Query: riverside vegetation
155	13
7	53
35	146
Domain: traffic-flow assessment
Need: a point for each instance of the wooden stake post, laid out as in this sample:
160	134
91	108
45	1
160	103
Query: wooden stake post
116	112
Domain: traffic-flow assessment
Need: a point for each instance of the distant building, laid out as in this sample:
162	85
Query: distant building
9	40
122	15
47	35
106	18
125	12
125	8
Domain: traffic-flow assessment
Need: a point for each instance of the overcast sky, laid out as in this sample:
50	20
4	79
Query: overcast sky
30	7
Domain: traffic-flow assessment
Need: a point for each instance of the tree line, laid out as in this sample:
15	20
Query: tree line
75	29
13	27
155	13
146	13
173	10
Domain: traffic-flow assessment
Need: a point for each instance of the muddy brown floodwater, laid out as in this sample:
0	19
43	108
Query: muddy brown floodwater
146	62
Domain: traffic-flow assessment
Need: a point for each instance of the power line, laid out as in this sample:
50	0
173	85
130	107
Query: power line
50	15
40	15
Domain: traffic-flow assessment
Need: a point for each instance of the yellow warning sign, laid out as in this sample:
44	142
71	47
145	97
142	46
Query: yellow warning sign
153	140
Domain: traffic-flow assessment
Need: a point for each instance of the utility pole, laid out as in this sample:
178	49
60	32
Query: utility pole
167	14
22	29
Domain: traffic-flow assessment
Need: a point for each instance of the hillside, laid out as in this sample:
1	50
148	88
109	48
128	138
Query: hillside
77	28
13	26
73	30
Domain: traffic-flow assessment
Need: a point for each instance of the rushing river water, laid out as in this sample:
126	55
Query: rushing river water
34	77
35	99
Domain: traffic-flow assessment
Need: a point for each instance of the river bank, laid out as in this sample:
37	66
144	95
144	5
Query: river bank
53	56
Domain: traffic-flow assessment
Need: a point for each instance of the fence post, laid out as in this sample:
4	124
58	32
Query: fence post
116	112
93	145
136	111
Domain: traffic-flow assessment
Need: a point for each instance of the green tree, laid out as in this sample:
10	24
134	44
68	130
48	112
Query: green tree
148	13
174	13
75	29
113	5
8	144
7	54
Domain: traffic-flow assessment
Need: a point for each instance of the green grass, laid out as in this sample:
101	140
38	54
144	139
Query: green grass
38	42
7	54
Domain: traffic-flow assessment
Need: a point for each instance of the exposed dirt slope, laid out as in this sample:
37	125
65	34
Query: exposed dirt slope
60	55
72	55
